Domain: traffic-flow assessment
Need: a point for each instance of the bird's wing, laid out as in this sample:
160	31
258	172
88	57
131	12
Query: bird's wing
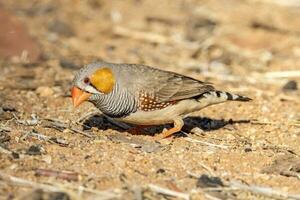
178	87
165	86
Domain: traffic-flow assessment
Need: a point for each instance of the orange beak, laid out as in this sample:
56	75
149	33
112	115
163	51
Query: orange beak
79	96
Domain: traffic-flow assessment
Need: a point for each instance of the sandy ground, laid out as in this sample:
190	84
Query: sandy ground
228	151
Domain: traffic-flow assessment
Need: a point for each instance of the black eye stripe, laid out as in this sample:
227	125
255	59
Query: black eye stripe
90	84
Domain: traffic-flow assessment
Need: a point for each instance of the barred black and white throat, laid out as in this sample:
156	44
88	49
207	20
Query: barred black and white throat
117	104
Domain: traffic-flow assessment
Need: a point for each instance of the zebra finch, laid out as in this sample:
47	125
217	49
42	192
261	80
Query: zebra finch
142	95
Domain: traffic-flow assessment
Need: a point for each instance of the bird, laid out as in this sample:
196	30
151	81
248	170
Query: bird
144	96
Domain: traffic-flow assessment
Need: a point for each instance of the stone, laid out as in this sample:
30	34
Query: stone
290	85
44	91
61	28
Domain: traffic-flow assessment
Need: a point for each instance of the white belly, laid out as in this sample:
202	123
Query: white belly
163	116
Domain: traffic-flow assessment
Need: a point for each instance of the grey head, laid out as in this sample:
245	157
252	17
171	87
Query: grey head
82	79
92	82
98	83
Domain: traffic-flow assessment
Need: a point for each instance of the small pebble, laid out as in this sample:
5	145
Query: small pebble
61	28
197	130
68	64
44	91
247	149
15	155
290	85
34	150
205	181
59	141
160	171
47	159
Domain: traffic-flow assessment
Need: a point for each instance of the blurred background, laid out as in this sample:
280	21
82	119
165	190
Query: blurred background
250	47
197	35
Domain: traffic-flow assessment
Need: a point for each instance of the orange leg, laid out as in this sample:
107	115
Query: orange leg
137	130
178	124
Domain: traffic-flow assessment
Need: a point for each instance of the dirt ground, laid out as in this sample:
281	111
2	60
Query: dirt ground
49	150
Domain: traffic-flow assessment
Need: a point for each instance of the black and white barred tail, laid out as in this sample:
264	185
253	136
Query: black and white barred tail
214	97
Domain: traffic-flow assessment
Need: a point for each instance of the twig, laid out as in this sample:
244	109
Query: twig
205	191
288	98
33	133
154	37
80	132
188	138
294	123
168	192
55	124
290	3
208	196
79	121
140	35
207	143
45	138
65	175
4	129
27	183
101	195
282	74
260	190
266	191
218	189
58	125
29	122
262	122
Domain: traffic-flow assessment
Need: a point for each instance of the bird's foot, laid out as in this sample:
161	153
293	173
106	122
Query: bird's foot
178	124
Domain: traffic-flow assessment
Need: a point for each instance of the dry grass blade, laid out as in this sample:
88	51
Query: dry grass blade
188	138
22	182
211	197
282	74
87	115
265	191
153	37
258	122
75	130
4	129
58	125
101	195
29	122
140	35
168	192
65	175
259	190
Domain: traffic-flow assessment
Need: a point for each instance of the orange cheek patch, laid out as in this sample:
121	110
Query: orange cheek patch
103	79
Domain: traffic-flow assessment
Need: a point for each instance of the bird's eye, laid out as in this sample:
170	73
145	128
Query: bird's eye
86	80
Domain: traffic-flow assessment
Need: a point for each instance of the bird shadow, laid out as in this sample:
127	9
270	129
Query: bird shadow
101	122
